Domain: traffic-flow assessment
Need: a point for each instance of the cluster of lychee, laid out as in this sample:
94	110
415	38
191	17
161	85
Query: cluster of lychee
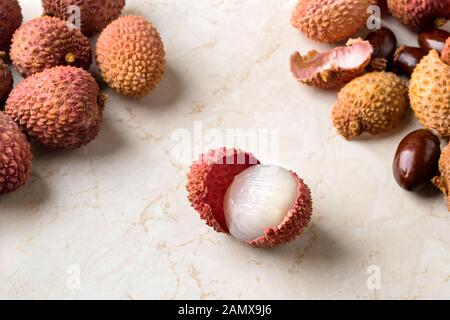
266	206
378	82
59	103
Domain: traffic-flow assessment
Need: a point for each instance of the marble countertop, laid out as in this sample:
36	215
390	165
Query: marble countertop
111	220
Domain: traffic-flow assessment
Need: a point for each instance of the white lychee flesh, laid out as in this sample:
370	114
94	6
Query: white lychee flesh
260	197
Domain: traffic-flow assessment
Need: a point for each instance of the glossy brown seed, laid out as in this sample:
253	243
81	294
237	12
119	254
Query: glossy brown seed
433	39
416	160
407	58
383	42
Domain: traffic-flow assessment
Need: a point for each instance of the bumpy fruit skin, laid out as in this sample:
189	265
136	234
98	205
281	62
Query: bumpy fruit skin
374	103
130	55
15	156
47	42
60	107
429	92
6	81
419	14
330	21
10	20
95	14
212	174
443	181
446	53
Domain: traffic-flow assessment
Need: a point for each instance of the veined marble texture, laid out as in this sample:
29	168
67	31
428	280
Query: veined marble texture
111	220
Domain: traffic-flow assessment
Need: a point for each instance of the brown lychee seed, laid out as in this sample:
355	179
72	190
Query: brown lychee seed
10	20
130	55
446	52
374	103
6	81
47	42
443	180
334	68
60	107
223	187
330	21
420	14
94	15
429	92
15	156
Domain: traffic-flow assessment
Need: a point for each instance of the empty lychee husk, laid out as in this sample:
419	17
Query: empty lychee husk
420	14
446	53
330	21
212	175
429	93
443	180
334	68
374	103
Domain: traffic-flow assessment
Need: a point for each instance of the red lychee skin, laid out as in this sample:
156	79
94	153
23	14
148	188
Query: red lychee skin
294	222
446	53
6	82
419	14
209	179
15	156
10	20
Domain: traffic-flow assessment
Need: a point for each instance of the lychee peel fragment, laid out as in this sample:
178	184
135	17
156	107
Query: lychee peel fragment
446	53
333	69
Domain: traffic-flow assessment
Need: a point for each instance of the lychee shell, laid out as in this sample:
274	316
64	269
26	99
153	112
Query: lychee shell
446	53
419	14
6	82
10	20
443	181
209	179
429	92
374	103
15	156
330	21
130	55
46	42
95	15
60	107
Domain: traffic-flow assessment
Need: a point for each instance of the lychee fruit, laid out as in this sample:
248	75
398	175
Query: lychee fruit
263	206
95	15
15	156
374	103
6	80
60	107
443	180
419	14
330	21
47	42
334	68
429	92
10	20
130	55
446	52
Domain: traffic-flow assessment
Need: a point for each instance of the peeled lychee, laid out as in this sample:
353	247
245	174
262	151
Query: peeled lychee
47	42
10	20
374	103
446	53
334	68
130	55
429	92
263	206
6	80
15	156
95	14
60	107
419	14
443	181
331	21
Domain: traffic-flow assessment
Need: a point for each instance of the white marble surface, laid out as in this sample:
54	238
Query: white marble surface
115	212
